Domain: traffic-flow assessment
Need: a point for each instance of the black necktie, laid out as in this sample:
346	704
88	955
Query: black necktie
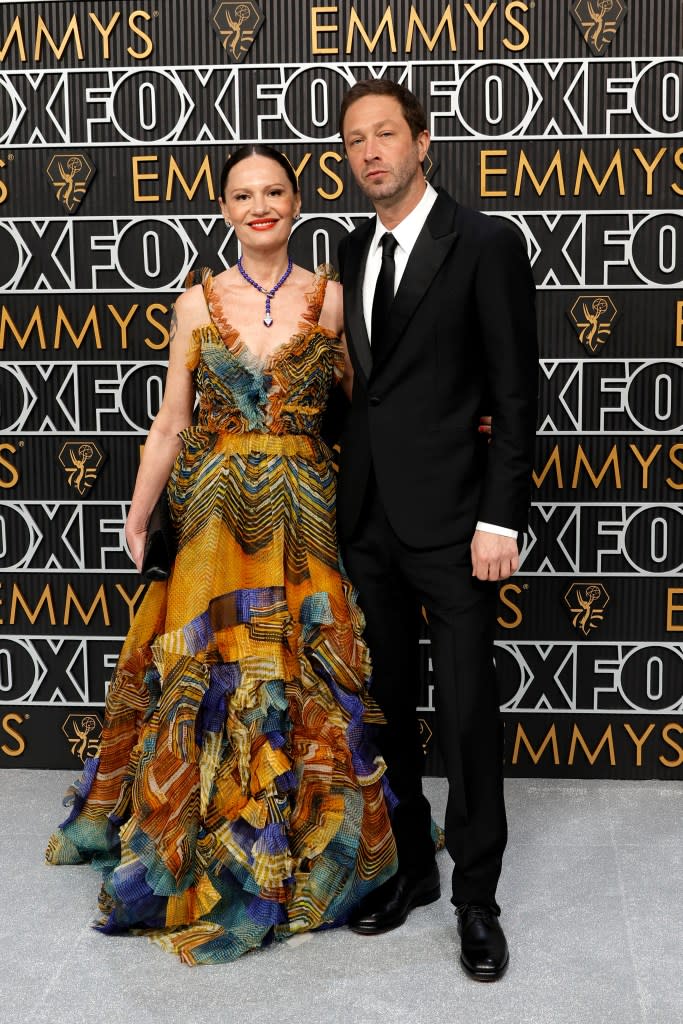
384	294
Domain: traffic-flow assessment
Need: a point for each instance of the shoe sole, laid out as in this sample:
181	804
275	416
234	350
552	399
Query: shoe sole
429	897
483	975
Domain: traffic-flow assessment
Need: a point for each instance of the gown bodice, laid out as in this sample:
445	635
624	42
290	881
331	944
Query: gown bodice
286	393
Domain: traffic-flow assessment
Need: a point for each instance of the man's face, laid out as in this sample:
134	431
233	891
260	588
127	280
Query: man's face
384	157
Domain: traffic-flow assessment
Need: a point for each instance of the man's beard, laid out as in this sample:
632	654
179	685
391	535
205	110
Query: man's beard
396	183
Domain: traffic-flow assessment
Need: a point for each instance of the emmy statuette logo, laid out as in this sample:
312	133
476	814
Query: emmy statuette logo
599	21
81	461
586	603
83	734
70	174
236	25
593	317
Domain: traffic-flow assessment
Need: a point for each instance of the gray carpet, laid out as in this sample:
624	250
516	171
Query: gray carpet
592	906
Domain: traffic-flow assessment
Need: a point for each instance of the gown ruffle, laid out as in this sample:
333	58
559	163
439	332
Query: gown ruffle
237	797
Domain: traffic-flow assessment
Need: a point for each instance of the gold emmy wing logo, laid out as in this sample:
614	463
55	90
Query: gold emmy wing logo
599	21
237	25
83	733
71	174
593	317
587	603
81	461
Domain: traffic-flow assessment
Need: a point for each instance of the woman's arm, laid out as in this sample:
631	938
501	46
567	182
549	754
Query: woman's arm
163	444
332	317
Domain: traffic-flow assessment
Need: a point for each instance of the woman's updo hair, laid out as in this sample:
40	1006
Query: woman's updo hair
258	149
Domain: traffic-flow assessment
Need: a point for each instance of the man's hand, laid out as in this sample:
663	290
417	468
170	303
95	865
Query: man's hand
494	557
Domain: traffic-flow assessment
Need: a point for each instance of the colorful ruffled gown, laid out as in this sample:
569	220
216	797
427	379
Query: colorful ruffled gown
236	797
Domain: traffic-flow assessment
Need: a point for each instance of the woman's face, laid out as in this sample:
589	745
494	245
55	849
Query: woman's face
260	202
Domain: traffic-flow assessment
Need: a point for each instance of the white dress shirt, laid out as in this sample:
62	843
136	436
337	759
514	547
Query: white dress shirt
406	234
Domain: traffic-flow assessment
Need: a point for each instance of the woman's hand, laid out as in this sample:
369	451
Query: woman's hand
136	536
485	426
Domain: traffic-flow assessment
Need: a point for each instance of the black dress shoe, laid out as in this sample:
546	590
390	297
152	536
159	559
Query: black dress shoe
484	952
388	906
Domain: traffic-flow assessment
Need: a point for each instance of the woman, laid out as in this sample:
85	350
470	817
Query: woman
236	798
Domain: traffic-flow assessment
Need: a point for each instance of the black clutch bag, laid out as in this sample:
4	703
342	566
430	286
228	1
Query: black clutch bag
160	544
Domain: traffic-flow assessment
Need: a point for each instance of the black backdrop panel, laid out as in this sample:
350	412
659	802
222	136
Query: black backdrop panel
115	118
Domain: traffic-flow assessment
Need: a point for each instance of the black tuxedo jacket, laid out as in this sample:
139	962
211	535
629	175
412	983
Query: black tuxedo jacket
462	341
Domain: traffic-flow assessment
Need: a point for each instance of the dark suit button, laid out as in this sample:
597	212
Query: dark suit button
375	399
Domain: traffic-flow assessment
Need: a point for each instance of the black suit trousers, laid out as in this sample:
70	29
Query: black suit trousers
394	582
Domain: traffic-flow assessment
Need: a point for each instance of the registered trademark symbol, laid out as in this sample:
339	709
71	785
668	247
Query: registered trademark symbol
21	444
525	586
26	716
155	14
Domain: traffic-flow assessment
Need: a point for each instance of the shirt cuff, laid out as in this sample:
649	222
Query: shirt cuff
503	531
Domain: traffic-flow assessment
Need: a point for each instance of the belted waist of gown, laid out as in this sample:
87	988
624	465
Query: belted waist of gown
265	443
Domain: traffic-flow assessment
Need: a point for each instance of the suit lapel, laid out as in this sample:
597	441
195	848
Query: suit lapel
433	245
354	271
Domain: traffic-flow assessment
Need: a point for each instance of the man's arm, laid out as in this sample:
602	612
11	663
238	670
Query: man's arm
505	294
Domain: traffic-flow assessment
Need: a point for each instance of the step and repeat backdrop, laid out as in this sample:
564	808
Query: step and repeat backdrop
564	117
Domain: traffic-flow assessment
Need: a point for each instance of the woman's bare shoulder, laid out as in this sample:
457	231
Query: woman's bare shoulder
332	314
190	305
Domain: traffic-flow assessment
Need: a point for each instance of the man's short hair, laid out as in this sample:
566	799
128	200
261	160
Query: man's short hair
411	107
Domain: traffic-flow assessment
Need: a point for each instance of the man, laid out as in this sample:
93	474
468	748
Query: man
440	325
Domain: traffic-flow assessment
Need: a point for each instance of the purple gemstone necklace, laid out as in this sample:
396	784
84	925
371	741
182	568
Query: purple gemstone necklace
269	293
